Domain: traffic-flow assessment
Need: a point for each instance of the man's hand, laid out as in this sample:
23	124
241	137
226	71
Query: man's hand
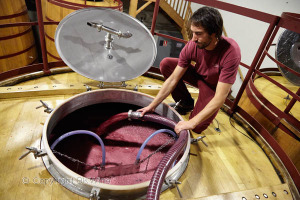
146	110
184	125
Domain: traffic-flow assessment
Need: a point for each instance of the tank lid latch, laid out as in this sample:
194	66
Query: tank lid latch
173	183
195	140
36	152
47	108
95	194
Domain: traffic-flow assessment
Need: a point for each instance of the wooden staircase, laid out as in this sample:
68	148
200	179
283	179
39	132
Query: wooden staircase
179	10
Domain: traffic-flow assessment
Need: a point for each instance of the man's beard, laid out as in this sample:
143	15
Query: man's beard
203	45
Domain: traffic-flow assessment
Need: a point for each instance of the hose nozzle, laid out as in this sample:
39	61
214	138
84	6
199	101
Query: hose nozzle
134	115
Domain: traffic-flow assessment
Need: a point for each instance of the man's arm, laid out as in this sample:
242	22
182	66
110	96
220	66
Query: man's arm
167	87
215	103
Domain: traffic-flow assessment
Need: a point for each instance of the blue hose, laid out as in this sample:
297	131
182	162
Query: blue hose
78	132
149	138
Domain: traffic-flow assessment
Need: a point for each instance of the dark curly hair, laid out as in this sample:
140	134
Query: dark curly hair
210	19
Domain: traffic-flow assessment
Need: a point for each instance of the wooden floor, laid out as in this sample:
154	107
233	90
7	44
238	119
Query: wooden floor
231	167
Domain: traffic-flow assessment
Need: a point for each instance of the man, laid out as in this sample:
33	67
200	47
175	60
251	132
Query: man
210	62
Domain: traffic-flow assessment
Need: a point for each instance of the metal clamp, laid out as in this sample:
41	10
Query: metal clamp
198	139
174	182
36	152
95	194
47	108
136	88
88	88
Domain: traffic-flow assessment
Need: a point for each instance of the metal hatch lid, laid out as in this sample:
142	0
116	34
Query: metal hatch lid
288	53
84	48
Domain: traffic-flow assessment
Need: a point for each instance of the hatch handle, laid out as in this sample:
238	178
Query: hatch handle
101	27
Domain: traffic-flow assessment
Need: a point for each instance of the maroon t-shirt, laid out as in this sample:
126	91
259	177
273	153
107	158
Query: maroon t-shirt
220	64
